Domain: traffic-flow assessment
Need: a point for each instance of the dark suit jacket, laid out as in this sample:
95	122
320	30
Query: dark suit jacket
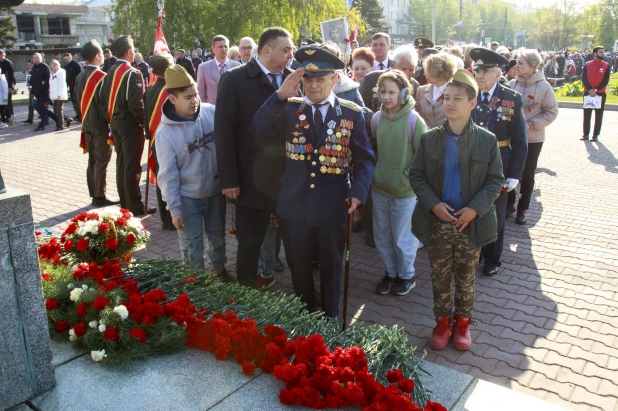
507	123
188	65
72	69
145	69
255	168
95	121
108	64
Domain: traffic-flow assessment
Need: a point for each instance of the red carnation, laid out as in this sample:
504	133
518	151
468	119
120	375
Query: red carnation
37	233
248	368
139	333
51	304
406	385
111	244
82	245
62	326
103	227
394	375
82	309
434	406
121	221
130	238
100	303
79	330
68	246
70	229
111	334
46	277
130	287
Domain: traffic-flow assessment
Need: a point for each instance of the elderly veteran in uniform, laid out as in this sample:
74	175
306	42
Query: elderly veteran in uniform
154	98
328	173
421	44
499	110
94	124
439	70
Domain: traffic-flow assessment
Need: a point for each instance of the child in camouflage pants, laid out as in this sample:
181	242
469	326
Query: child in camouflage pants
456	175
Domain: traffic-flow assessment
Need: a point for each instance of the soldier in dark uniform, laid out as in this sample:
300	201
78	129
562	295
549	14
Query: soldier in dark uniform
159	63
499	110
325	138
421	44
124	100
94	123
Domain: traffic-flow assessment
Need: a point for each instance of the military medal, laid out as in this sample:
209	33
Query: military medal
302	140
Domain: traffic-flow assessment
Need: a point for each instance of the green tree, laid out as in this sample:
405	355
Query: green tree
373	14
7	29
607	32
420	17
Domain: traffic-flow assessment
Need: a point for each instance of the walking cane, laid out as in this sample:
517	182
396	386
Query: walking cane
346	276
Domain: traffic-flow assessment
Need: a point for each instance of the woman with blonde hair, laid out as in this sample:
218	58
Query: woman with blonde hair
439	69
58	93
233	53
540	110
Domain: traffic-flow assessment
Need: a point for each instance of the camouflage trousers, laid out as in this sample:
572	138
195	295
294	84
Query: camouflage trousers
449	254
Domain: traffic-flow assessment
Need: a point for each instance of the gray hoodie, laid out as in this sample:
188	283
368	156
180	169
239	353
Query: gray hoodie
186	154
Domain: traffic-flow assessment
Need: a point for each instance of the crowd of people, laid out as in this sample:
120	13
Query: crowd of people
420	146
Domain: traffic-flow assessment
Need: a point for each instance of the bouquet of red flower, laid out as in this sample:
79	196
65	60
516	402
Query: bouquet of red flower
108	235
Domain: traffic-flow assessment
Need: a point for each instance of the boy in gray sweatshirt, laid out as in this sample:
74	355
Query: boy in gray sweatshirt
188	172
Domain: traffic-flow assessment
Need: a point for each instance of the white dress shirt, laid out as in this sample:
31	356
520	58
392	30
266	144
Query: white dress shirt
437	92
323	109
268	72
376	64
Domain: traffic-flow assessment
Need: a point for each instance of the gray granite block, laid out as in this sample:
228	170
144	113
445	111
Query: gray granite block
64	351
446	385
20	407
15	208
190	380
261	393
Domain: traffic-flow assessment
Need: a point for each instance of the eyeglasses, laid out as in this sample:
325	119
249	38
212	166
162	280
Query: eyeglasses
248	48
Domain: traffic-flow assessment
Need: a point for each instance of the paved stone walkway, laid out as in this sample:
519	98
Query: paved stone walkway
546	325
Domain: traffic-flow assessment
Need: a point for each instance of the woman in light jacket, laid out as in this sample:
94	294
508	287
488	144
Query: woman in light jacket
540	110
58	92
439	69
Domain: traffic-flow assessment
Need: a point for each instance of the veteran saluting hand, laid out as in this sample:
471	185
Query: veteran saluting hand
329	160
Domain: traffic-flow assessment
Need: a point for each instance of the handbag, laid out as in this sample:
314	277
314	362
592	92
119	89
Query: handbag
593	102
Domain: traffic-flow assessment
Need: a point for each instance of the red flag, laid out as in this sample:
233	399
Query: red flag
353	33
160	44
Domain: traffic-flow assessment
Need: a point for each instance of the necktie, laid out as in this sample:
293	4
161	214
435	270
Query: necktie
318	121
381	65
221	67
273	80
485	98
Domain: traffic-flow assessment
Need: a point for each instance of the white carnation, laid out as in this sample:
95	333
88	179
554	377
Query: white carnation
72	337
70	286
102	328
98	355
84	287
110	212
89	227
93	324
122	311
75	294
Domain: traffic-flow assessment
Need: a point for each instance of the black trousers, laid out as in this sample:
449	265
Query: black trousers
251	226
331	243
129	141
493	252
527	178
99	155
598	117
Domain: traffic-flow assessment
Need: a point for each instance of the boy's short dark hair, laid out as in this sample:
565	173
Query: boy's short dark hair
469	90
178	90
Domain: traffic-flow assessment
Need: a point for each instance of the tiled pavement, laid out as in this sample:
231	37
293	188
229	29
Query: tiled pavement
546	325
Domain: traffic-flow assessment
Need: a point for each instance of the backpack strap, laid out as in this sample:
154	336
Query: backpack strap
375	121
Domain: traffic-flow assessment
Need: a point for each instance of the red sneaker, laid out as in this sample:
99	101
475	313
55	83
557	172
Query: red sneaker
461	334
441	333
264	283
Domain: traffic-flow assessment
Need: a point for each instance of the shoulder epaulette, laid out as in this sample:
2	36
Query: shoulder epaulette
350	104
298	100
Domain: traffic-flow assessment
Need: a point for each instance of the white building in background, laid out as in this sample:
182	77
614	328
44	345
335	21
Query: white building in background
395	15
97	23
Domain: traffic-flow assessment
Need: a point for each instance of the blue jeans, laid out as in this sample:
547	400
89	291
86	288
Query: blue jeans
392	233
199	215
266	263
41	107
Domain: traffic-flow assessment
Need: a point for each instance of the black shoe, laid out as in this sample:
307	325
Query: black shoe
278	266
595	138
386	285
357	226
481	258
28	121
68	120
403	287
40	128
510	209
224	276
490	270
103	202
585	138
521	217
370	242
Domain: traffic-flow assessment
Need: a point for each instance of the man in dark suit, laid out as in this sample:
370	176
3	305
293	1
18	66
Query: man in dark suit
329	168
249	173
499	110
72	69
183	61
109	60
